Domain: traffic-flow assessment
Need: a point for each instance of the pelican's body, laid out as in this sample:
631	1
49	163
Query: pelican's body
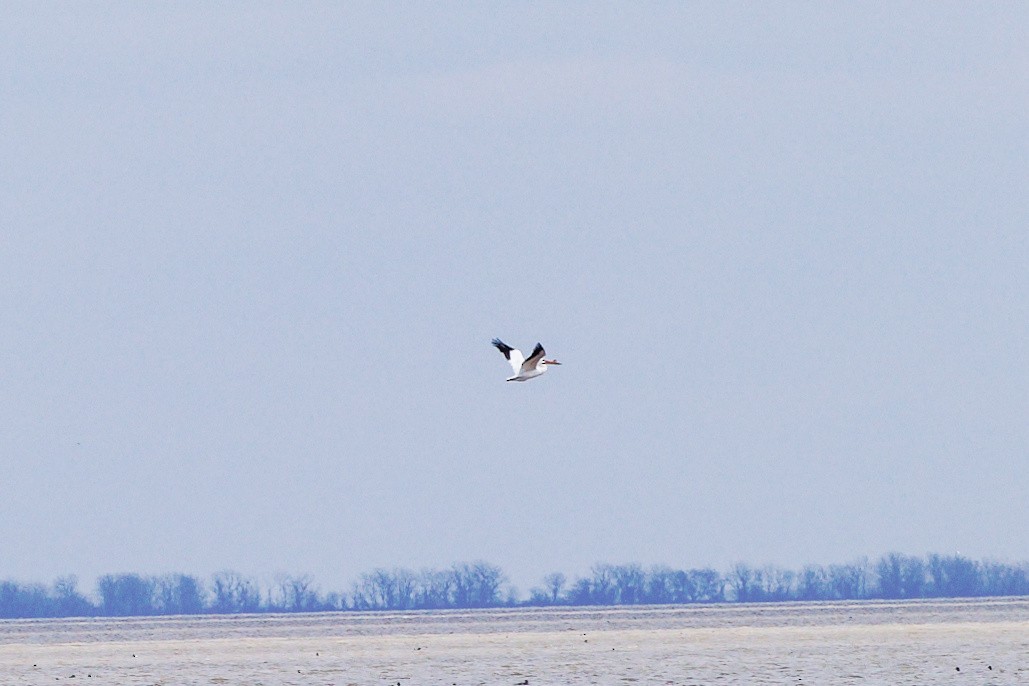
525	368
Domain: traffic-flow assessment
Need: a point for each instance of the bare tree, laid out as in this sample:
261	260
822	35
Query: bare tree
660	586
24	600
581	593
812	584
179	594
488	579
680	587
69	602
602	585
913	576
296	594
778	584
629	583
126	595
435	589
385	589
234	593
708	585
744	581
891	582
464	585
477	584
554	584
1002	579
954	576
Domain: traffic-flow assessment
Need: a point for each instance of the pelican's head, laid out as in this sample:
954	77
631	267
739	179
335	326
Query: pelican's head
551	362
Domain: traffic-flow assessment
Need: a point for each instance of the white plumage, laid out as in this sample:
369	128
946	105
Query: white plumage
524	368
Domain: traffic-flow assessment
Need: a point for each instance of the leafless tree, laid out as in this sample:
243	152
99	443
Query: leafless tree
554	584
778	584
435	589
124	595
745	582
296	593
179	594
487	581
234	593
629	583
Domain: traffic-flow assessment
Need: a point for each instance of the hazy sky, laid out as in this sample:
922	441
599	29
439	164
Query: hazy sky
252	257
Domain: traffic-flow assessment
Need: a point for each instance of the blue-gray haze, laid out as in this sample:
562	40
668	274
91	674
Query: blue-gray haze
252	256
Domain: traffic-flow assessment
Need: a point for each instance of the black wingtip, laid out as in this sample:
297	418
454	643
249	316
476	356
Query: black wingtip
503	347
538	350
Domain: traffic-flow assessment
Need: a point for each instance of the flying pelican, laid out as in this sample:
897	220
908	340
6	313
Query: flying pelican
524	368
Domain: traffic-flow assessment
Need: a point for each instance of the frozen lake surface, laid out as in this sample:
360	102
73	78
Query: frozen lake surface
983	641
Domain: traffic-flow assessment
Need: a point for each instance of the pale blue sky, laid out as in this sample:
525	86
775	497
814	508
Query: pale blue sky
252	256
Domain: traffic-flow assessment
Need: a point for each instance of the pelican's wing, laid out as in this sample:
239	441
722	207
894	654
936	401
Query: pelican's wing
513	355
533	359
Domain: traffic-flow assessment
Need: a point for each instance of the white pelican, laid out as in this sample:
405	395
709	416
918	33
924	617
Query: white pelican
524	368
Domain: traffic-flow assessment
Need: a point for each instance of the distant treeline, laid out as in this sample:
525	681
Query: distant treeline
893	576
